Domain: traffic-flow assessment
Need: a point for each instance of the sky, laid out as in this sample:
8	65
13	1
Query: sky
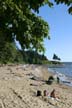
60	23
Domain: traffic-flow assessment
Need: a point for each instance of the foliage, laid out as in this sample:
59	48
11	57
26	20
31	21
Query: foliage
55	57
7	52
19	57
19	22
10	54
32	57
66	2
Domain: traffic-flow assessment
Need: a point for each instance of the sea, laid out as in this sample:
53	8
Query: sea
63	71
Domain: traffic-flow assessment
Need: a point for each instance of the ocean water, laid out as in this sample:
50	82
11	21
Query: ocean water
64	72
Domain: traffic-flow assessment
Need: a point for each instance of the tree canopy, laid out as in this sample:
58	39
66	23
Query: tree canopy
66	2
18	21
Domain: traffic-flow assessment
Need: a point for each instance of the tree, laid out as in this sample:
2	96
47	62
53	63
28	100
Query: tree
55	57
19	22
7	52
66	2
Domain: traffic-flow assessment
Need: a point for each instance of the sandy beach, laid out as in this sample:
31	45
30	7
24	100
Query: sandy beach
19	85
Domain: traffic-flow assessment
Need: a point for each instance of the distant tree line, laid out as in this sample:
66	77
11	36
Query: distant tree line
10	54
55	57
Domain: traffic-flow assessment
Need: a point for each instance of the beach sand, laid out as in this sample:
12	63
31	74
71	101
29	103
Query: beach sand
19	85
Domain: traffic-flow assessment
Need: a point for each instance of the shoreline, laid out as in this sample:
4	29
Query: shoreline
64	79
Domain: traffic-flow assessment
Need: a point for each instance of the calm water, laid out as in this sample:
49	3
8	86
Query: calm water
64	72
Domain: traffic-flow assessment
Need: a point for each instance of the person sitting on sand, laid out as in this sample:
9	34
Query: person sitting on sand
39	93
45	93
58	80
52	94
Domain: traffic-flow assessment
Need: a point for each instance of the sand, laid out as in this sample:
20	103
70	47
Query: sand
19	85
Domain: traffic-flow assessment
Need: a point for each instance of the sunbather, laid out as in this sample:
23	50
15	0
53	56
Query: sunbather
39	93
45	93
53	94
